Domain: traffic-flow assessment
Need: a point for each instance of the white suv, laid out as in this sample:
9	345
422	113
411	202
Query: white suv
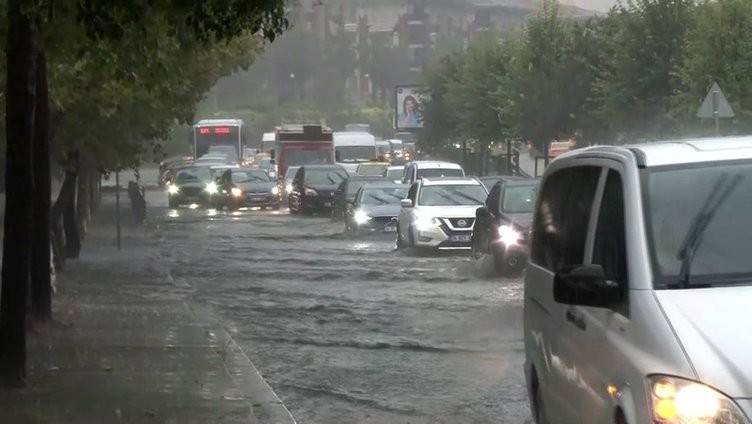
439	213
639	285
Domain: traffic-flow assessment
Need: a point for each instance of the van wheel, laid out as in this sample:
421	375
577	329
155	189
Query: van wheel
539	411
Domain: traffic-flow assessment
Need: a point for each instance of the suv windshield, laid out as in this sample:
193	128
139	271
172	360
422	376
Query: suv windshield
673	196
193	175
452	195
519	199
240	177
330	176
383	196
439	172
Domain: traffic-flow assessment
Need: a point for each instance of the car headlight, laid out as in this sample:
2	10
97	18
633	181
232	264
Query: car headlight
311	192
426	223
508	235
275	190
288	188
173	189
211	188
236	192
678	401
361	217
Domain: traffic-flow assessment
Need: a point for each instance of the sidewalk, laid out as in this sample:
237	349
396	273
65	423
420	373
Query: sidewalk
126	348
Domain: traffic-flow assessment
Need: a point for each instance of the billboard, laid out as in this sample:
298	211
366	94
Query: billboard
408	103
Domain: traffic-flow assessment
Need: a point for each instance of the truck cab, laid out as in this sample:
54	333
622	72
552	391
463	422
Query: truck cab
300	145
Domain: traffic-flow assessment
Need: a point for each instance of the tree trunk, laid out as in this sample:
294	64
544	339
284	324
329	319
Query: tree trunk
82	198
70	221
41	291
19	118
66	195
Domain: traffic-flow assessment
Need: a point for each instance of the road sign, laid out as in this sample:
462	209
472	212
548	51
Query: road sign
715	105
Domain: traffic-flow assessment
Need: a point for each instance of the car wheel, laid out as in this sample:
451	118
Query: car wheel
539	411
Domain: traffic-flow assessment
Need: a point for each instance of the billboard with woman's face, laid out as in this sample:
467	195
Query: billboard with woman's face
408	116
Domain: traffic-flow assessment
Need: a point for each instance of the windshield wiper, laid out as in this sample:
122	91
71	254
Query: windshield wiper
717	196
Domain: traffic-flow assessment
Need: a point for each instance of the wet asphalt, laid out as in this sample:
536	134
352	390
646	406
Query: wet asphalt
346	329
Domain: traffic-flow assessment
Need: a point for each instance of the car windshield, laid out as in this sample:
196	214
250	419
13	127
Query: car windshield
439	172
356	153
383	195
452	195
193	175
372	169
298	157
240	177
353	186
519	199
329	176
672	199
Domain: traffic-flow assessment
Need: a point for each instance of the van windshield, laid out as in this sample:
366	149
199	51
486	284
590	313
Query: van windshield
356	153
674	197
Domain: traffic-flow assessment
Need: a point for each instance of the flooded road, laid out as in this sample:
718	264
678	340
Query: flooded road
348	330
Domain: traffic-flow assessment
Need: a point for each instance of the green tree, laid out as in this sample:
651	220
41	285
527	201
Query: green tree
718	48
636	79
439	124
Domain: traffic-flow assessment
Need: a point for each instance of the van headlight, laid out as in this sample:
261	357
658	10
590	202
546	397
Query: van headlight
211	188
361	217
173	189
679	401
508	235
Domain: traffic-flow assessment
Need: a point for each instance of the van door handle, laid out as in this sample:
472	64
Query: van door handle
578	321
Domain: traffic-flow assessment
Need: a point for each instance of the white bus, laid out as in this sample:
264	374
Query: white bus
354	147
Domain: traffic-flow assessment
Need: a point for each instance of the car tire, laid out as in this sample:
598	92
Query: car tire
539	410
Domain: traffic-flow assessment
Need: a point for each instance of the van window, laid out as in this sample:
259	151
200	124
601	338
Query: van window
610	245
561	221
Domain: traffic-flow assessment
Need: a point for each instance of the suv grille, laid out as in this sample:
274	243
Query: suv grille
461	223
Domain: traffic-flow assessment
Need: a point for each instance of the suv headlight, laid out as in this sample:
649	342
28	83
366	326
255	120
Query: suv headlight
426	222
211	188
361	217
679	401
508	235
311	192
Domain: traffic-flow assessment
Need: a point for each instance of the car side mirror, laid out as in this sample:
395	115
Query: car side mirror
406	203
586	285
482	213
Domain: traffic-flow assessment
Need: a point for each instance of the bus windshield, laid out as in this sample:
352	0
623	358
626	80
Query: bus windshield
217	139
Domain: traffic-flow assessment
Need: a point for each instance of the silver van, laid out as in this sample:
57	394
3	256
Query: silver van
638	291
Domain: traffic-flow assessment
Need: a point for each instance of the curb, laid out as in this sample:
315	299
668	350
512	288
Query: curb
266	406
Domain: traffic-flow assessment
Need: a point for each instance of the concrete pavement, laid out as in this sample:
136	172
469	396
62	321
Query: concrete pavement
127	347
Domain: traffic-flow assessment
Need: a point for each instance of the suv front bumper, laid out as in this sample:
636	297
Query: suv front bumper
442	238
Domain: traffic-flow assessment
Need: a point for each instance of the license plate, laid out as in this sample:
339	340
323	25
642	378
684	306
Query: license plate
257	199
460	238
390	229
327	204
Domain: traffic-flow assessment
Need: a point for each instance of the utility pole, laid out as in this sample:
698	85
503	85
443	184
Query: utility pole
117	206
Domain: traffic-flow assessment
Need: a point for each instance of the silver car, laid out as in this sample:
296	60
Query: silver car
639	283
439	213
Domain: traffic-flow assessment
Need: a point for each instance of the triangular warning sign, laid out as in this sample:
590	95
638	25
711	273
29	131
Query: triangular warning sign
714	102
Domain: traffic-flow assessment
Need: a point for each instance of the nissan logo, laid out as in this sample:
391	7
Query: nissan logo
394	218
462	223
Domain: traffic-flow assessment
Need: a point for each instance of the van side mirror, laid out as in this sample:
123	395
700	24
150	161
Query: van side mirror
586	285
406	203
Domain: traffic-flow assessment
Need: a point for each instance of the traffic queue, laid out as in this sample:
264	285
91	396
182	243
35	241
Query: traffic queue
426	205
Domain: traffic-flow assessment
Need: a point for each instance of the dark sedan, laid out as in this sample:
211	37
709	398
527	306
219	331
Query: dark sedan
192	185
313	188
247	187
502	226
375	208
345	193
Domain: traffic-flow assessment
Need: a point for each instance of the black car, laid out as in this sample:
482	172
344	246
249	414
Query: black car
313	188
502	226
248	187
345	193
376	208
490	180
192	185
